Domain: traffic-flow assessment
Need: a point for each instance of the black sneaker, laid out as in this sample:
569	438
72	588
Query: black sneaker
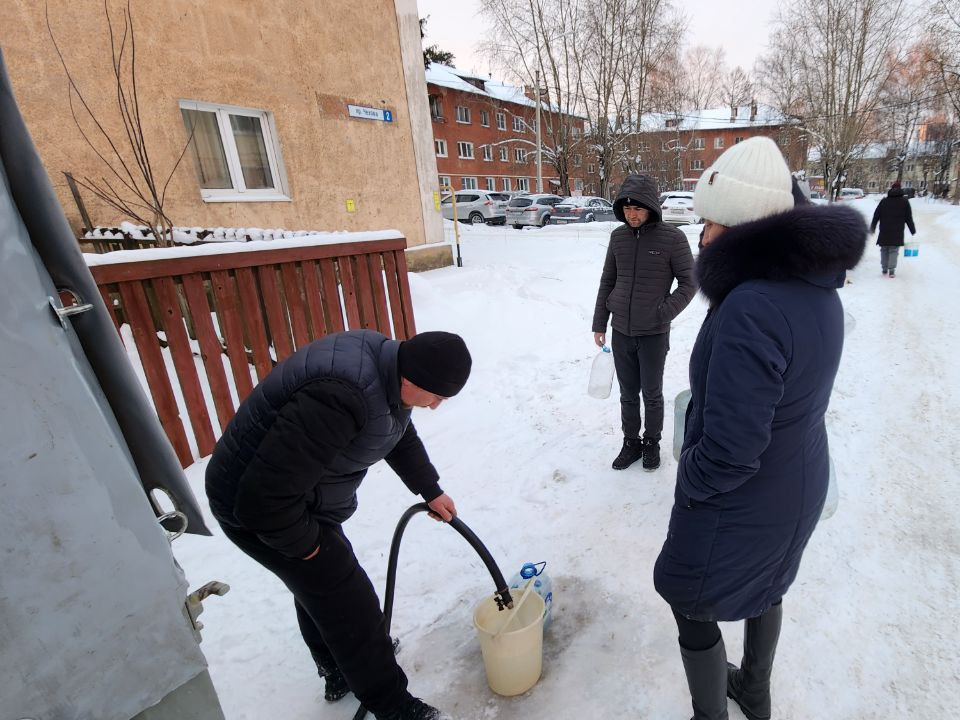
651	454
335	685
631	451
892	274
884	271
415	709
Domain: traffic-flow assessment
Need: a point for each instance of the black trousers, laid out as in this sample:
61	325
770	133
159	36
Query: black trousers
698	634
639	363
339	615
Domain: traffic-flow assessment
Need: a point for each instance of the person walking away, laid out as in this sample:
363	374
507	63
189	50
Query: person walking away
284	478
644	257
892	213
753	472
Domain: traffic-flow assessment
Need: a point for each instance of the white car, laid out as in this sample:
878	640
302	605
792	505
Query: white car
850	194
677	207
536	209
476	206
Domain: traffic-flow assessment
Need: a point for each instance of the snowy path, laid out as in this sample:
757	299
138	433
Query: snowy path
869	626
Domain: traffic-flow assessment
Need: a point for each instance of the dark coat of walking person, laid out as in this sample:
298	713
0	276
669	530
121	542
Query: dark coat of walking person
644	257
284	477
892	214
753	472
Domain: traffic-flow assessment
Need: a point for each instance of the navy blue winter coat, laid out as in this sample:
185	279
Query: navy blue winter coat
293	456
752	476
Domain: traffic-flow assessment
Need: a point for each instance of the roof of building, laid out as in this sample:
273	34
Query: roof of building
881	151
714	119
450	77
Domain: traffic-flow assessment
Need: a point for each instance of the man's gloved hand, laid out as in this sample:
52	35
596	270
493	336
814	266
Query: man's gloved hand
442	508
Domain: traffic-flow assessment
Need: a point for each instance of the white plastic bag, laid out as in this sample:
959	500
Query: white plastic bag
601	375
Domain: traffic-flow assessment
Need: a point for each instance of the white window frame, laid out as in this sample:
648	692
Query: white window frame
436	107
506	185
463	112
590	168
440	147
578	185
696	164
239	193
577	160
699	143
576	131
504	155
519	155
468	183
445	181
487	153
518	125
501	120
738	140
485	118
491	184
523	185
718	143
464	145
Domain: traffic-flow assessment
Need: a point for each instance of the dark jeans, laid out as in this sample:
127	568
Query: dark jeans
639	363
339	614
698	634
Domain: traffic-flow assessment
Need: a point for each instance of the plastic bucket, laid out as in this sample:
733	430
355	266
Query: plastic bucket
514	659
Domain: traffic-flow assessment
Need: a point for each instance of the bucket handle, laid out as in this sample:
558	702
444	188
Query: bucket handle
516	607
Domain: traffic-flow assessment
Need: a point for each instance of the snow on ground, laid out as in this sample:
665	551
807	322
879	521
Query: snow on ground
870	625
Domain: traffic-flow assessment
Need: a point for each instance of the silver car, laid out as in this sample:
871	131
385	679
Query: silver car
582	209
476	206
536	209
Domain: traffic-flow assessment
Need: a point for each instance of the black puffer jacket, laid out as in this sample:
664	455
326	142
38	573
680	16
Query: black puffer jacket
640	268
892	214
293	456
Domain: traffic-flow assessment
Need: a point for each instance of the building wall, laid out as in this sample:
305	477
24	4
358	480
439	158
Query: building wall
291	58
447	128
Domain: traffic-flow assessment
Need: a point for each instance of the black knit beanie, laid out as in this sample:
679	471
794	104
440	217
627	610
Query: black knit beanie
438	362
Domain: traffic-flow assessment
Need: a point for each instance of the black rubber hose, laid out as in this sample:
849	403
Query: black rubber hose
502	594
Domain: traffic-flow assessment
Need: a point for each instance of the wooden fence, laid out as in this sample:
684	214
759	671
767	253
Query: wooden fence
246	310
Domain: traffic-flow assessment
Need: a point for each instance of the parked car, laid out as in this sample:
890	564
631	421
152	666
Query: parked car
476	206
535	209
677	207
850	194
909	192
582	209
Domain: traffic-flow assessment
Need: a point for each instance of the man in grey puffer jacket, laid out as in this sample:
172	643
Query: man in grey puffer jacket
644	257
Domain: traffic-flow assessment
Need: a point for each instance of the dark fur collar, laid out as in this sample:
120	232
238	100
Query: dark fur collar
804	241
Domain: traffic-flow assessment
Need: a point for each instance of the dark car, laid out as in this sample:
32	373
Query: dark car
582	209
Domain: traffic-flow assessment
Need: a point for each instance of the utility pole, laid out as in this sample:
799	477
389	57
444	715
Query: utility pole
539	149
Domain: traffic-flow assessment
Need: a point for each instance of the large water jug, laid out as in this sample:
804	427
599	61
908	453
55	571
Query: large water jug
541	585
601	375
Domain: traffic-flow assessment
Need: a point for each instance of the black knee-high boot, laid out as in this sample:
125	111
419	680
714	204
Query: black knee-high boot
707	679
749	684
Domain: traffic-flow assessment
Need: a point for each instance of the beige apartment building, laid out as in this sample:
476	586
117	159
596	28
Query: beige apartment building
304	116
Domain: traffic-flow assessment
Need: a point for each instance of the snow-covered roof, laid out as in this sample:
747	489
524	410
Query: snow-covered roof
450	77
880	151
713	119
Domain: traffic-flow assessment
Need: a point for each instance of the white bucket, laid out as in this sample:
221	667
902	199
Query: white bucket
514	659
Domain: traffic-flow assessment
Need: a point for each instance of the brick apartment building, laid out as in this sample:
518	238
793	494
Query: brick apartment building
677	149
484	135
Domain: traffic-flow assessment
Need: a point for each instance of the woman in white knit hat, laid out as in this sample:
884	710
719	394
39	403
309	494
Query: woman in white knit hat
752	476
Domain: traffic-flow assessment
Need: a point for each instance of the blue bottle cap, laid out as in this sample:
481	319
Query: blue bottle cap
530	569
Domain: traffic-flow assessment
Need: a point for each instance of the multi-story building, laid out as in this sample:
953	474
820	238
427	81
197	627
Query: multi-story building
484	135
677	148
287	121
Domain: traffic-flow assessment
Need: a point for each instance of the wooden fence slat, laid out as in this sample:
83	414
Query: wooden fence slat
183	363
351	304
210	349
410	328
279	327
111	310
253	320
141	324
379	294
311	286
368	315
296	308
393	289
331	296
228	314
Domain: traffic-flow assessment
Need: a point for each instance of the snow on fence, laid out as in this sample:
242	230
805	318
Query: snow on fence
191	316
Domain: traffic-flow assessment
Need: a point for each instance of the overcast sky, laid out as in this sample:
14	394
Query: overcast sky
740	26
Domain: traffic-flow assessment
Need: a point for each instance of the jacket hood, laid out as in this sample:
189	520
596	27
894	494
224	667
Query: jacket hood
811	242
642	190
895	192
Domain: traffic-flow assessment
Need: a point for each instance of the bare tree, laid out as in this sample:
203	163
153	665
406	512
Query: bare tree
130	185
703	75
943	43
905	99
837	56
736	88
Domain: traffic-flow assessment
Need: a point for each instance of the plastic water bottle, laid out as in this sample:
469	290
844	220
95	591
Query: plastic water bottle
680	421
911	249
541	585
601	375
833	495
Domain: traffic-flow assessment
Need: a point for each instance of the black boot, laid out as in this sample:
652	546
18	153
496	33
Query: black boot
631	451
749	684
707	679
335	685
651	454
415	709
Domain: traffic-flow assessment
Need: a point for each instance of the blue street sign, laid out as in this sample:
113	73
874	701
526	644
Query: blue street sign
368	113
